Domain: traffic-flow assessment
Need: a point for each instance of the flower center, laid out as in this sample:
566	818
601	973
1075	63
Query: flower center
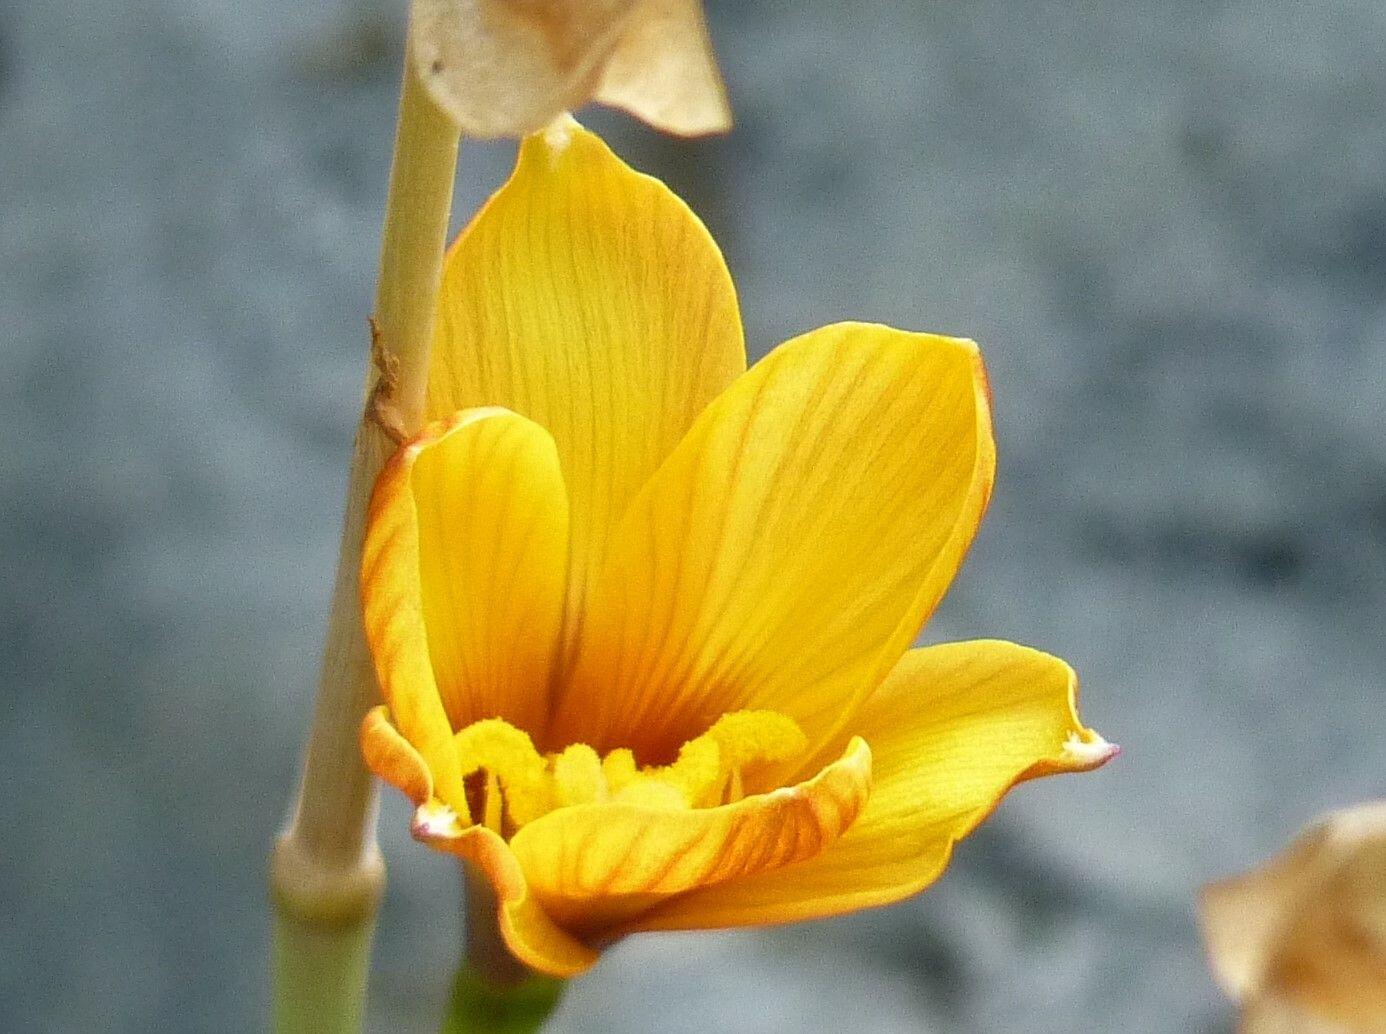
509	783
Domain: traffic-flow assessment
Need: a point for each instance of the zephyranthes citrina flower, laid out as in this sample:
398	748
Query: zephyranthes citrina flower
508	67
642	617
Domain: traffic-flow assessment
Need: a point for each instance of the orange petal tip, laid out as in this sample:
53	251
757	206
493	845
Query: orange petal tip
393	758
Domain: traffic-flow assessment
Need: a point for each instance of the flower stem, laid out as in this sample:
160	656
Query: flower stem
326	876
481	1008
486	952
319	975
494	992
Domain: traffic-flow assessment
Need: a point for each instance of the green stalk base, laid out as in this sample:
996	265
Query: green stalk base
481	1008
320	975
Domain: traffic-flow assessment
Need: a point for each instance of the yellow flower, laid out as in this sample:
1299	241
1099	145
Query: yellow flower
508	67
642	617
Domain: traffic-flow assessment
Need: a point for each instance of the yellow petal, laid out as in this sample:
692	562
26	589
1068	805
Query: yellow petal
951	730
664	72
588	298
789	550
594	864
390	756
462	580
529	932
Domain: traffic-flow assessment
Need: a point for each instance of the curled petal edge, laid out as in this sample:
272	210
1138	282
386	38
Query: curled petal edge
528	931
811	890
530	934
829	803
592	862
393	758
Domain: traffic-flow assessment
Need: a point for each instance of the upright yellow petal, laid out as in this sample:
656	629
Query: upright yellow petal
789	550
588	298
463	579
493	552
951	730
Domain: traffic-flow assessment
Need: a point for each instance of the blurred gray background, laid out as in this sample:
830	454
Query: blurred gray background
1166	223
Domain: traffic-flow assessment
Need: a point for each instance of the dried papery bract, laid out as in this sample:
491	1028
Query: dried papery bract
664	71
1301	941
509	67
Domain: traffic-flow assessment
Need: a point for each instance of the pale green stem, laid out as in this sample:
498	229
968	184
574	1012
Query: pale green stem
326	876
494	992
484	948
319	975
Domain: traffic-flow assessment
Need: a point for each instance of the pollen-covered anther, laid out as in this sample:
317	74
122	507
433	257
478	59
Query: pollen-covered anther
510	784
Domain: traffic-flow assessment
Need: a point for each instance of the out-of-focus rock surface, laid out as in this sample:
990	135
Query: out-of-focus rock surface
1166	223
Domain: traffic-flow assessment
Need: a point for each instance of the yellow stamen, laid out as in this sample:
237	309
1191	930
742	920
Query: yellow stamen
577	776
508	754
494	803
520	784
620	768
751	738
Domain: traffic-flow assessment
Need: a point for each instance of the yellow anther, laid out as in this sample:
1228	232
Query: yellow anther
750	737
696	773
509	755
498	747
577	776
619	768
521	785
709	768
